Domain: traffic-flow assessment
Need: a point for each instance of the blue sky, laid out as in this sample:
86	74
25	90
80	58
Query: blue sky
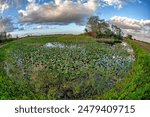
64	16
134	10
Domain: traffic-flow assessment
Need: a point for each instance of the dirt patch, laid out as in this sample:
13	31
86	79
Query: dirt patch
2	45
102	40
144	45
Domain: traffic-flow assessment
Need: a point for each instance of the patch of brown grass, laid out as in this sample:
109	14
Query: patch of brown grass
101	40
144	45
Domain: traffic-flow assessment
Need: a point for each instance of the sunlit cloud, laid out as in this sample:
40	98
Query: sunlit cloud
119	3
60	12
3	6
140	29
6	25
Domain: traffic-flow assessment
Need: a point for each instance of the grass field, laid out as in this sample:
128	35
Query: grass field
73	67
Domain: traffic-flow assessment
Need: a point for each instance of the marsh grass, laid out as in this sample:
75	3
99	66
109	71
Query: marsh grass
137	84
39	72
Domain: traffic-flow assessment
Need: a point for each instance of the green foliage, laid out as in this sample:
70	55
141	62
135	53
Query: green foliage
57	38
4	36
12	89
137	84
129	37
30	70
101	29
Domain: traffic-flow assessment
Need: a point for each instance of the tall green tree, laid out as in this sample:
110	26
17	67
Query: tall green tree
101	29
92	25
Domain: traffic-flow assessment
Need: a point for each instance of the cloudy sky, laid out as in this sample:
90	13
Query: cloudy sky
24	17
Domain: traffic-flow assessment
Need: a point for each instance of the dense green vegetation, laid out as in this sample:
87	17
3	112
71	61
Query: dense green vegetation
76	68
4	36
101	29
137	84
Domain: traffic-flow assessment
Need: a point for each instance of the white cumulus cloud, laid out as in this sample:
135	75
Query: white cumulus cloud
31	0
140	29
6	25
118	3
3	6
59	12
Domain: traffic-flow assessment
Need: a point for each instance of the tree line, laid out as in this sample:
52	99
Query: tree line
100	29
4	36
